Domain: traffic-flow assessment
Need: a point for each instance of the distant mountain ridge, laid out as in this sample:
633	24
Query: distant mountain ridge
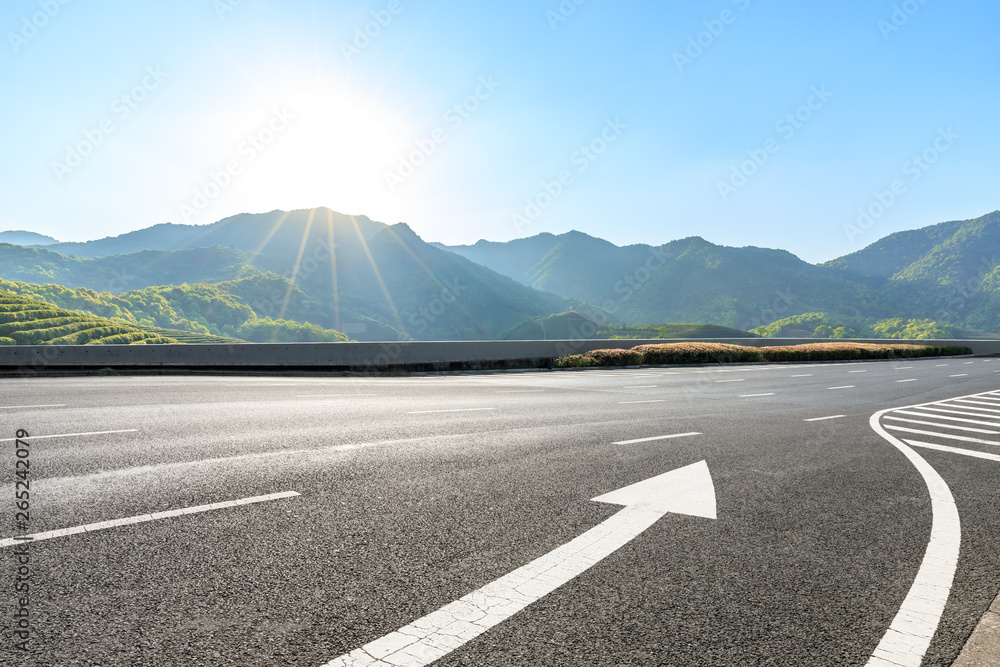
21	237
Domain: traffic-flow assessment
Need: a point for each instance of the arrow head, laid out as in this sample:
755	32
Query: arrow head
688	490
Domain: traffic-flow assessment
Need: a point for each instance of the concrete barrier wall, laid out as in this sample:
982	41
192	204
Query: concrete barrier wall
359	357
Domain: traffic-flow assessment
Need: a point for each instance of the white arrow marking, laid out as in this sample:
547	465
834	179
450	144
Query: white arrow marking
688	490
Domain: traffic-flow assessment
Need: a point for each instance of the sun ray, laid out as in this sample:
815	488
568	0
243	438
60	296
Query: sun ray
378	275
298	263
333	270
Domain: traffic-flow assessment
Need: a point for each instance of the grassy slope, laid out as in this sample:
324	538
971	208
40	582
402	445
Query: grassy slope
26	321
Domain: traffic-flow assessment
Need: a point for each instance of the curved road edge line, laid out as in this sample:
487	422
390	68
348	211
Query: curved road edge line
910	634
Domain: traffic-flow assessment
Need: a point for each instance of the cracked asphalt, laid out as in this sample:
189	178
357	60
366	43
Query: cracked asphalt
417	491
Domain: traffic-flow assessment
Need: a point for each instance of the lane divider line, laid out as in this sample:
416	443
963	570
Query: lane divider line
819	419
155	516
771	393
846	386
26	407
658	400
72	435
427	412
656	437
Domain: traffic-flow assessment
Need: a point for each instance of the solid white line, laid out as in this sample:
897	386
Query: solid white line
992	405
753	395
910	380
659	400
909	636
114	523
655	437
819	419
71	435
25	407
332	395
427	412
944	417
846	386
948	436
971	429
985	413
955	450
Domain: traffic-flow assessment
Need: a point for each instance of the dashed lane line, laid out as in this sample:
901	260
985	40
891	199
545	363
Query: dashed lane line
908	380
803	375
27	407
656	437
521	391
427	412
73	435
114	523
819	419
846	386
739	380
959	375
864	371
641	386
658	400
333	395
755	395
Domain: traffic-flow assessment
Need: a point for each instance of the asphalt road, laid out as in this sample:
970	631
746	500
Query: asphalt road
416	491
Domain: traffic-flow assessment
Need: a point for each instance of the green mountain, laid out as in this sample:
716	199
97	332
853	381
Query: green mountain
572	325
344	273
21	237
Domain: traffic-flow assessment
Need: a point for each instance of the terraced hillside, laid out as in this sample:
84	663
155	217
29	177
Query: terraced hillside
25	321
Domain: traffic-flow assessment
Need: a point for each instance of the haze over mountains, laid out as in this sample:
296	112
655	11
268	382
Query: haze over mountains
378	281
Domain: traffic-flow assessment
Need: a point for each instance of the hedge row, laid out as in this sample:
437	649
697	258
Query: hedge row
720	353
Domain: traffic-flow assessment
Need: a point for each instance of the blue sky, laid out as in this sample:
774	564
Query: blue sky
741	121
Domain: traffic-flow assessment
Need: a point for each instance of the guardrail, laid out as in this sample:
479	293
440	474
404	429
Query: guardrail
412	356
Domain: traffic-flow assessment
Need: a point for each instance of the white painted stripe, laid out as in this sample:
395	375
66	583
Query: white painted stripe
521	391
971	429
819	419
985	413
155	516
948	436
333	395
945	417
908	637
73	435
864	371
989	397
427	412
740	380
805	375
903	368
655	437
754	395
910	380
641	386
846	386
965	400
939	365
26	407
969	362
659	400
956	450
960	375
